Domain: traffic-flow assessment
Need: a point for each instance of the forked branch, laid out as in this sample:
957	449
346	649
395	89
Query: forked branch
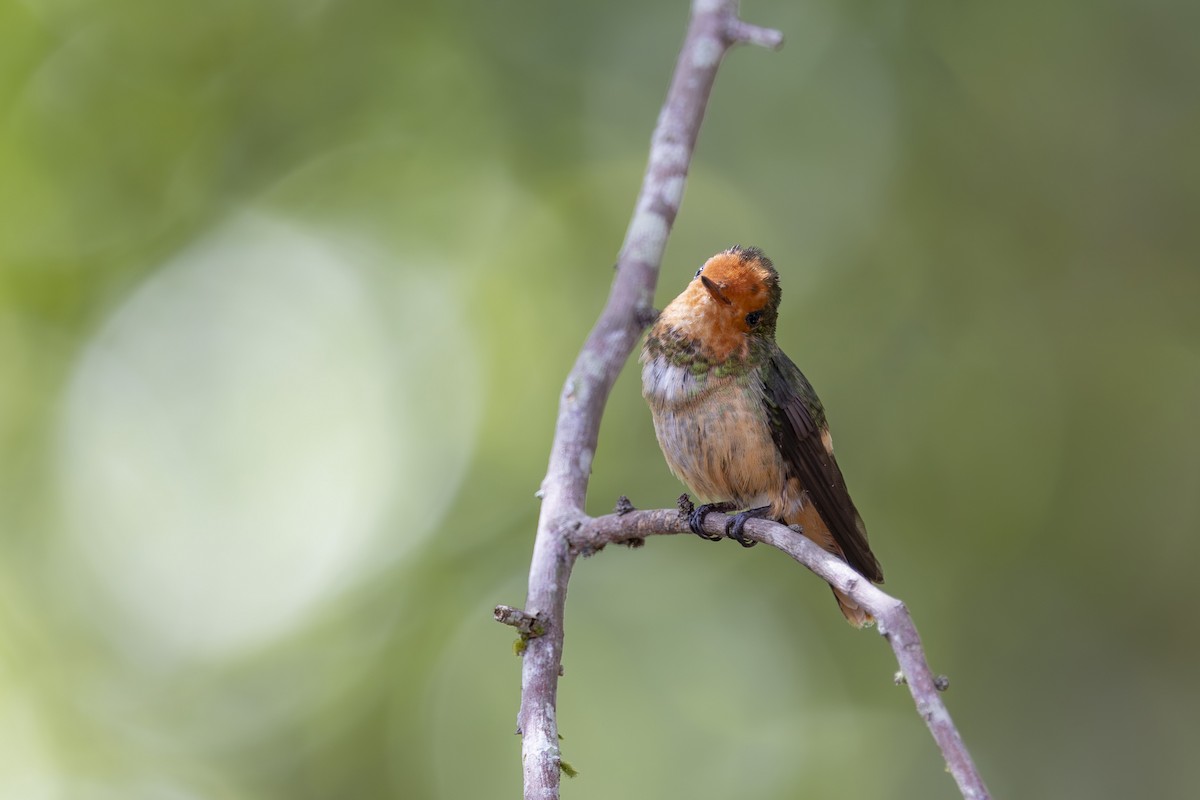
564	530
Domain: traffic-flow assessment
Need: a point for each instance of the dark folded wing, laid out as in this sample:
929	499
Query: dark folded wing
800	432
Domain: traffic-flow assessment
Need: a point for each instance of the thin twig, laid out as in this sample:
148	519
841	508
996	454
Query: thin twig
526	624
564	532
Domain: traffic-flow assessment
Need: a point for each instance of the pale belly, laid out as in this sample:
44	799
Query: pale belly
716	439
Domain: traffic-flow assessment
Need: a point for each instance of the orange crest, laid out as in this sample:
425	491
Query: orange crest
734	296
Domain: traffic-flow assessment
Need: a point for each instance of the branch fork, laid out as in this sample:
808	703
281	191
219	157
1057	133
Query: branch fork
565	532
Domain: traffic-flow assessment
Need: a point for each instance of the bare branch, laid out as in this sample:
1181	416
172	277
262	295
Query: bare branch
891	615
752	34
712	30
564	532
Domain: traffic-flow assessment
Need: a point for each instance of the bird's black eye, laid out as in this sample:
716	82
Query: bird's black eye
699	271
753	318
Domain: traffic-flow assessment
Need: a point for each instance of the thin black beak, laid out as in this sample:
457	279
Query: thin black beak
713	290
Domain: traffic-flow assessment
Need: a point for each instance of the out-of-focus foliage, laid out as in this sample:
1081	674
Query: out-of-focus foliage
287	293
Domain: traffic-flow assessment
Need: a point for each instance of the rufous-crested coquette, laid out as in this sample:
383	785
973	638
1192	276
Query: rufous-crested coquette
739	423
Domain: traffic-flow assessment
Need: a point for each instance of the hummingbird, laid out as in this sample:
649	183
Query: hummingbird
738	422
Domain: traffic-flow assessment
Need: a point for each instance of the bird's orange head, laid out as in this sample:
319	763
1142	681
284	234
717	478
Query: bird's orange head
733	299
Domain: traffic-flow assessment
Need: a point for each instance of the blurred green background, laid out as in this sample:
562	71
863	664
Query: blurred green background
287	294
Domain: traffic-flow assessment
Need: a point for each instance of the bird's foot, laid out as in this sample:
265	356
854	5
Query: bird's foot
734	529
696	519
